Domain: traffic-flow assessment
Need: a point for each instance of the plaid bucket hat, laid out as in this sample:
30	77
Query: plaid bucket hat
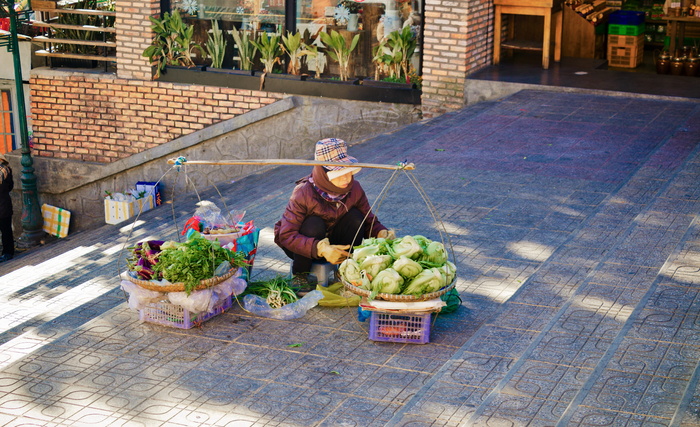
334	150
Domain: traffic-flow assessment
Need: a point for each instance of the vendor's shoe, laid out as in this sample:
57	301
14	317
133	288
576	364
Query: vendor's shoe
303	283
5	257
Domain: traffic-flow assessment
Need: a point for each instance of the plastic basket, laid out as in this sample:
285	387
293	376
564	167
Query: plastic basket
625	30
627	17
404	328
166	314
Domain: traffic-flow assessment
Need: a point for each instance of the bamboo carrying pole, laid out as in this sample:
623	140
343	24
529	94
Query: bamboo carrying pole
296	162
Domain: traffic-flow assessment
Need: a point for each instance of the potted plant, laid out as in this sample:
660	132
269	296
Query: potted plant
216	45
294	48
340	50
392	56
353	18
269	48
172	44
246	49
316	58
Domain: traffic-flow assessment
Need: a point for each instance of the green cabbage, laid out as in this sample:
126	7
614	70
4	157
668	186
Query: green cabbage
362	252
422	241
427	281
365	283
450	272
407	246
407	267
349	270
373	264
435	254
388	281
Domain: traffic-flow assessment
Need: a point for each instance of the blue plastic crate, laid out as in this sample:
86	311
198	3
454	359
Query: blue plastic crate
626	17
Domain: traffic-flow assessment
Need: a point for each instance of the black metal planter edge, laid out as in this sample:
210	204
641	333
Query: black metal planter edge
295	85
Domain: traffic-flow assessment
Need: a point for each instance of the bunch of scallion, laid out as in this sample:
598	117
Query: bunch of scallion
276	291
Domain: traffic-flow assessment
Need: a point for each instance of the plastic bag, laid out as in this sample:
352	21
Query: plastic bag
333	296
196	302
210	214
139	297
453	301
295	310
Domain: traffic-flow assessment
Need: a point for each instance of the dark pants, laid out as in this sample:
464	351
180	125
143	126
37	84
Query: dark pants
8	240
342	234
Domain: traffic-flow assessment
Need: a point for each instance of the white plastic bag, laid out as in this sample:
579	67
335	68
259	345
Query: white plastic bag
295	310
196	302
139	297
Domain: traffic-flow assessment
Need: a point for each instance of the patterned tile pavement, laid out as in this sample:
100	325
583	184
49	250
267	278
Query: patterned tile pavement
574	224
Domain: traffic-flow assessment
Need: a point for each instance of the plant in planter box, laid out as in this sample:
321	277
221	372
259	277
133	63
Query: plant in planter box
172	43
392	55
404	43
294	48
246	48
269	48
216	45
317	57
339	50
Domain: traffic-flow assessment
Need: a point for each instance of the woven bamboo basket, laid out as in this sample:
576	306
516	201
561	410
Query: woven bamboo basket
399	297
180	287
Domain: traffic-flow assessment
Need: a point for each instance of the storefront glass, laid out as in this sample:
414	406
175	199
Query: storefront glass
372	21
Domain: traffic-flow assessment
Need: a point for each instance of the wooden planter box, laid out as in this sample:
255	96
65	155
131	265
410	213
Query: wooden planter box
297	85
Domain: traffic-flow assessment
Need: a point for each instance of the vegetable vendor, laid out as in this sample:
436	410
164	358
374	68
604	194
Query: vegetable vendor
324	213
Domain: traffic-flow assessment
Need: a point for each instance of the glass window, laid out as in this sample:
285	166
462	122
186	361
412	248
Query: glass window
249	14
372	21
6	129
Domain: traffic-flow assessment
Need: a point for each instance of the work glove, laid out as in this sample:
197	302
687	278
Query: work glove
387	234
335	254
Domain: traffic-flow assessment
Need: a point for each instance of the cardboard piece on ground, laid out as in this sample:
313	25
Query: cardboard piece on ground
56	220
408	307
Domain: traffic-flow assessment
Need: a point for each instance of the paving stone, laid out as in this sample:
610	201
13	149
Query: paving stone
571	218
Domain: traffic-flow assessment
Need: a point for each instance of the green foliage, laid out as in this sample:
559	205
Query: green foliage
270	50
312	52
393	55
216	45
172	43
293	47
193	261
246	48
83	20
340	50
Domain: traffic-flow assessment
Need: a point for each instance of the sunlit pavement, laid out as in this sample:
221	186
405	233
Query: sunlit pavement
573	223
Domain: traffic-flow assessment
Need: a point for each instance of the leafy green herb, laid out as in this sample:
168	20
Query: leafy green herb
276	291
194	260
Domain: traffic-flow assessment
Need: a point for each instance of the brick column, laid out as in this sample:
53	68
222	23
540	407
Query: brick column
457	40
133	36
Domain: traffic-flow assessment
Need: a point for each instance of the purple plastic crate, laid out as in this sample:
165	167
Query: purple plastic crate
626	17
406	328
166	314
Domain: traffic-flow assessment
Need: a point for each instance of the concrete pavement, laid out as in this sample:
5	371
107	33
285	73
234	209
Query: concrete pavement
574	223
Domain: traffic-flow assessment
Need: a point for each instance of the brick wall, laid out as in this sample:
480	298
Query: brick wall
102	119
457	40
134	36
